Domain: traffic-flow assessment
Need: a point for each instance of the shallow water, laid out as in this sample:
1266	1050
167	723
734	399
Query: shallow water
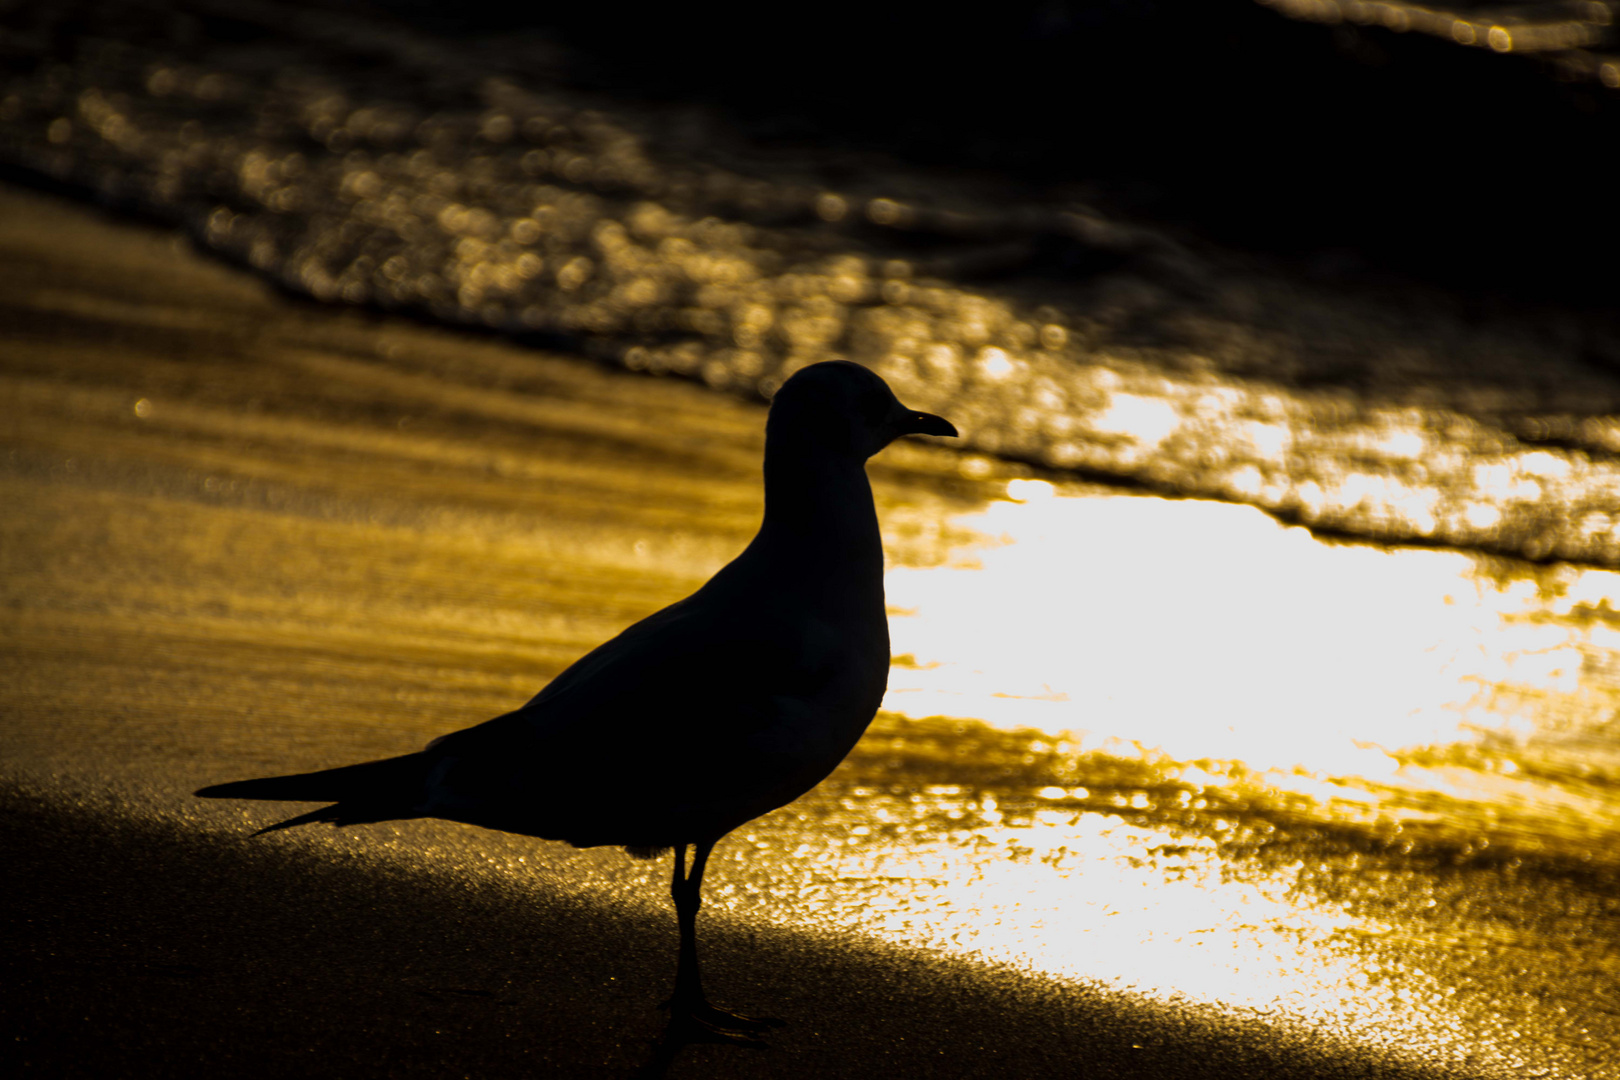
362	161
1167	748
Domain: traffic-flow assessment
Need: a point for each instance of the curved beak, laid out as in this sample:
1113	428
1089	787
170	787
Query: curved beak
921	423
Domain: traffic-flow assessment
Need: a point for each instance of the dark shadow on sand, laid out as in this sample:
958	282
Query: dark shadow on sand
142	948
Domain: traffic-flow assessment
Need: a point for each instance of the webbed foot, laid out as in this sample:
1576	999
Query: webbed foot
698	1021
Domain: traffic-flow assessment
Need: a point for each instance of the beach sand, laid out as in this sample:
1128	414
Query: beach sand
142	945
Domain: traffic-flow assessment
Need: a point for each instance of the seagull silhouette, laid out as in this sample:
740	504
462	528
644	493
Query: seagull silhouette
721	707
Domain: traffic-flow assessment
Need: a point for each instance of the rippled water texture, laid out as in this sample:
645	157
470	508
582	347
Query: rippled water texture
1170	750
465	179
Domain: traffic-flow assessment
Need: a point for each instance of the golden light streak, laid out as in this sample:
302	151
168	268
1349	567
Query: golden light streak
1201	629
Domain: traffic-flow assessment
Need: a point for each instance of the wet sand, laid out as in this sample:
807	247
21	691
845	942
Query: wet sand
147	948
219	562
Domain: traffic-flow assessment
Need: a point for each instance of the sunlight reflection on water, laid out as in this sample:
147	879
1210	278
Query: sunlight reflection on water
1197	630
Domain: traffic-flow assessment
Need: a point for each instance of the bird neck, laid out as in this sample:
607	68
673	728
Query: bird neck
819	513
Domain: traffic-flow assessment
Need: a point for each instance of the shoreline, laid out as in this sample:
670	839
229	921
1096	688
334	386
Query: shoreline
251	535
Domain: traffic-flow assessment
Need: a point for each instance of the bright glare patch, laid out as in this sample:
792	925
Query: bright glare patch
1207	630
1235	655
1147	420
1028	490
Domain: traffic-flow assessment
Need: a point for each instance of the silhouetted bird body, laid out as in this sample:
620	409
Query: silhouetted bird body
719	708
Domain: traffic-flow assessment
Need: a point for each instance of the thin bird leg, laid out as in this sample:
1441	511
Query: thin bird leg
689	1002
683	889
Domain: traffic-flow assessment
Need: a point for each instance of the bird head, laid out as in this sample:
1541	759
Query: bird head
841	408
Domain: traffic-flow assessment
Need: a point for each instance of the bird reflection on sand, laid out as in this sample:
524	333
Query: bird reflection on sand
711	712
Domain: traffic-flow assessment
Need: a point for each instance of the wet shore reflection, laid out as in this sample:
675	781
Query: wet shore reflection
1179	749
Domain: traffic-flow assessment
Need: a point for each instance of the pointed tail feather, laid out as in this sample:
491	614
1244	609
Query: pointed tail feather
371	791
364	781
325	813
